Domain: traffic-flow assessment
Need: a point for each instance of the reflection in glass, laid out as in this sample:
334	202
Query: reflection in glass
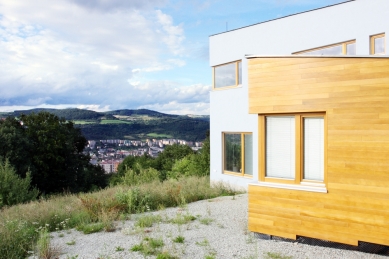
225	75
248	154
334	50
351	49
379	45
232	152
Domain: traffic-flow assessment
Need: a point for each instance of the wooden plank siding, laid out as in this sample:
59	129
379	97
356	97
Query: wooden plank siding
354	95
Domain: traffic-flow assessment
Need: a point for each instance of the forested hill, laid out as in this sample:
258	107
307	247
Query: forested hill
131	124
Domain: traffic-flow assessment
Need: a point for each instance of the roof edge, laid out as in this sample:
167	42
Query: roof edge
327	6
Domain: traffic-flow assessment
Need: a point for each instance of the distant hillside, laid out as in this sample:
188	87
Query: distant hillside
131	124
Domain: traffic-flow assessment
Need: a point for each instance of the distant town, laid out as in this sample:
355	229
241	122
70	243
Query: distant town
109	153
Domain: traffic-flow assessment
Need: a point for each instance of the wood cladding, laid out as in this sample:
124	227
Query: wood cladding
354	95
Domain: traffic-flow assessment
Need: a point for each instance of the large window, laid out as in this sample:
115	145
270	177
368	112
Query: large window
292	148
238	153
344	48
377	44
227	75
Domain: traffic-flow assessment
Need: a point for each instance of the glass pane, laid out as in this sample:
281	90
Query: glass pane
239	73
232	152
225	75
248	154
334	50
379	45
351	49
314	149
280	147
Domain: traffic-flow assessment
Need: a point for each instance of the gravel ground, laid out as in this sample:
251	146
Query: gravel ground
219	231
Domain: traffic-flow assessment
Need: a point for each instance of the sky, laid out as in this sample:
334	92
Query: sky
106	55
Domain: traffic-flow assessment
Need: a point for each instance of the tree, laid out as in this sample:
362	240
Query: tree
13	188
15	145
51	148
170	155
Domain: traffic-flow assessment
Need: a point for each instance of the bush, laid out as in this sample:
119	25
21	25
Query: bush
13	188
139	175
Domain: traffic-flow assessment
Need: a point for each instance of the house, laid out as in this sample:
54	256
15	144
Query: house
300	118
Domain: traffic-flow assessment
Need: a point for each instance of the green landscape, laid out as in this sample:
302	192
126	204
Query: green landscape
130	124
47	183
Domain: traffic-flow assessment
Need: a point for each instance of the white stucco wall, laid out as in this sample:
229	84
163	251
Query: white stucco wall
354	20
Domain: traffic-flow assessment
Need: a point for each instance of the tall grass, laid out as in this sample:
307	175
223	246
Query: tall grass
20	224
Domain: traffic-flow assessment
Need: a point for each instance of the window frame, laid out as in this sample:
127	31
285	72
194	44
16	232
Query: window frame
242	156
299	150
237	63
343	44
372	43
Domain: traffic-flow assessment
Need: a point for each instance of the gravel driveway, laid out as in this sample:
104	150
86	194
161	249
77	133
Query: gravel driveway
216	228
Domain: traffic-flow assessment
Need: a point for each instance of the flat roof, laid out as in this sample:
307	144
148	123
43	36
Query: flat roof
315	56
283	17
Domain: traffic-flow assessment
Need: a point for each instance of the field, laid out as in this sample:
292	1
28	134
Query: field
83	122
114	122
156	135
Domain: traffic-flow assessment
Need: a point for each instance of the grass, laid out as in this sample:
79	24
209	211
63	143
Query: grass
181	219
179	239
83	122
147	221
95	211
149	246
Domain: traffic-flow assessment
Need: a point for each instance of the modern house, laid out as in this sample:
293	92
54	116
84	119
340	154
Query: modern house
300	118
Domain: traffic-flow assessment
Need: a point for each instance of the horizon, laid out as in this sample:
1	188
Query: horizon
112	55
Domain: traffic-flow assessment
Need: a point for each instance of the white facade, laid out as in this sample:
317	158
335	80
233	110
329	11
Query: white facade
353	20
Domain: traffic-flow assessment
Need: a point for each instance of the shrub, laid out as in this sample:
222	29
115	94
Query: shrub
139	175
13	188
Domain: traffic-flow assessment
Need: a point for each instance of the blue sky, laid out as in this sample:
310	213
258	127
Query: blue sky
119	54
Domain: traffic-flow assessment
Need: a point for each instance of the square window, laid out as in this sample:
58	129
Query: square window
377	44
227	75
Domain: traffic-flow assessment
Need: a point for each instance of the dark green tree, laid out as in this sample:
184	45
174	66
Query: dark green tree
57	162
15	145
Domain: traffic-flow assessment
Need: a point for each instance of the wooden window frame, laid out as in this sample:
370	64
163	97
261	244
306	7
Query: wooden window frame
299	150
237	62
343	44
242	156
372	43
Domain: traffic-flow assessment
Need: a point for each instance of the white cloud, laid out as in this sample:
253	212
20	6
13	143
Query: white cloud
70	52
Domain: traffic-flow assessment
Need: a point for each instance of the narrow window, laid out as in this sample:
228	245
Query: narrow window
377	44
313	128
238	153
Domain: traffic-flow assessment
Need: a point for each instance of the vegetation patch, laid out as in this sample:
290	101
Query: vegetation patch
114	122
156	135
272	255
147	221
149	246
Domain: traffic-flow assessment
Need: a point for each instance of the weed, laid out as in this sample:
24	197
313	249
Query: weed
71	243
166	255
91	227
179	239
206	221
149	246
44	249
72	257
210	257
61	235
147	221
271	255
181	219
119	249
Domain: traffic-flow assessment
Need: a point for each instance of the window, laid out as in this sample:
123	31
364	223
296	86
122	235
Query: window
377	44
227	75
238	153
345	48
292	148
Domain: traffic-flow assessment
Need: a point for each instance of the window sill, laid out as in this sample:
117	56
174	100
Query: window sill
303	187
238	174
226	87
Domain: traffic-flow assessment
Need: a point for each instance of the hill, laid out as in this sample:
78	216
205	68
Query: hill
131	124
